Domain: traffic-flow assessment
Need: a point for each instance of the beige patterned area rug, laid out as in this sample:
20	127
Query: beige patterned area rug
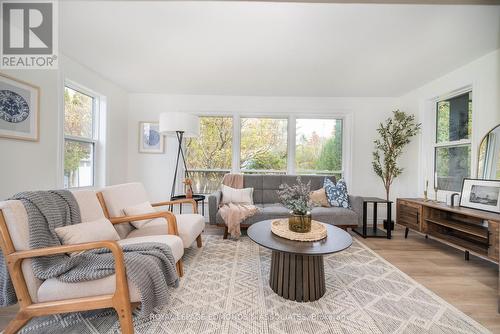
225	290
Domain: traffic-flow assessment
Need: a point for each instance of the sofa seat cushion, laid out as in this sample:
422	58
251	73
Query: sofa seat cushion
335	216
189	226
173	241
53	289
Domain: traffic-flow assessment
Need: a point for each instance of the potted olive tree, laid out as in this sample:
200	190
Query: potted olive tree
395	134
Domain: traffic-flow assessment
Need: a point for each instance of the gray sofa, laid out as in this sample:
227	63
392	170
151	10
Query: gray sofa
266	198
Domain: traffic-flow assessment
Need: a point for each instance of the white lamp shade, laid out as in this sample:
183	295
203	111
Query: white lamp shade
171	122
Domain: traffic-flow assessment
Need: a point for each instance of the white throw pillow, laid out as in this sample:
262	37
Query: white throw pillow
237	196
97	230
140	209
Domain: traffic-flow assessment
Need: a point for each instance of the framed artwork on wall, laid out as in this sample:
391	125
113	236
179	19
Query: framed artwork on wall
19	109
481	194
150	139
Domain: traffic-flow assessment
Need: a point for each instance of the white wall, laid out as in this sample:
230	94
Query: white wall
27	165
483	75
33	165
38	165
155	170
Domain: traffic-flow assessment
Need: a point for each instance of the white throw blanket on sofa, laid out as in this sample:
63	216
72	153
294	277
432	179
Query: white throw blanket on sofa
234	213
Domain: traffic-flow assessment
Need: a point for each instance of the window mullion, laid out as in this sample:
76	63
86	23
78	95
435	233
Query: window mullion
236	167
291	145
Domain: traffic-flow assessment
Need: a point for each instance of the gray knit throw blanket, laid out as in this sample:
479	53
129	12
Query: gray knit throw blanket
150	266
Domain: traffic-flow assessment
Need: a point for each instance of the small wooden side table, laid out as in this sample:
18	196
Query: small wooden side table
197	198
375	232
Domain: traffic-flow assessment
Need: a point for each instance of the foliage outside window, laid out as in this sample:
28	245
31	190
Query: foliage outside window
79	139
209	156
263	146
453	145
318	146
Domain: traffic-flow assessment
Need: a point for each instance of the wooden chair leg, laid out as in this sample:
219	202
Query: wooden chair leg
226	232
17	323
198	241
180	268
125	317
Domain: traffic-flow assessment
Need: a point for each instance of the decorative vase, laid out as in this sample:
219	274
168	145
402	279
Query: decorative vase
299	223
189	192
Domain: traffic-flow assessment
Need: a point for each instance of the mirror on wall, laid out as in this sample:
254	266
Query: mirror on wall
489	156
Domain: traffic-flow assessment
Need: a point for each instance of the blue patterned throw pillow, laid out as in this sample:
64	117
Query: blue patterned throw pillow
336	193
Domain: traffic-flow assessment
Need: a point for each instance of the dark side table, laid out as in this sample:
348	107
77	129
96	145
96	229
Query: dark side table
375	232
197	198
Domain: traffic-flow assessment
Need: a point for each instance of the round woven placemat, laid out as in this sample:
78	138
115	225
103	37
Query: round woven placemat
280	228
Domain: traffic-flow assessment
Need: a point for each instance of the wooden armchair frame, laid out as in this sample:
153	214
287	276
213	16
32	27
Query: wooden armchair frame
169	217
119	300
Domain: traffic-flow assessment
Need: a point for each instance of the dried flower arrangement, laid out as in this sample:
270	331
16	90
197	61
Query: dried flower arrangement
296	197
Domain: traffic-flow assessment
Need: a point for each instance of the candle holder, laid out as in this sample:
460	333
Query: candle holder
426	198
435	194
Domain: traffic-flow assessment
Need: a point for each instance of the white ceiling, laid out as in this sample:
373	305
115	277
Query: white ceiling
275	49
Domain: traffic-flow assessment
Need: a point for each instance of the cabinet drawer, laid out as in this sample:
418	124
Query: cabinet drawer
408	215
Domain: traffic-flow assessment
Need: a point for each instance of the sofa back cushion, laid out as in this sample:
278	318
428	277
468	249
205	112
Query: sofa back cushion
90	208
265	186
121	196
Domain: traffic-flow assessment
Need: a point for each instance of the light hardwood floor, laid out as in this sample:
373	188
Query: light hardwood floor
471	286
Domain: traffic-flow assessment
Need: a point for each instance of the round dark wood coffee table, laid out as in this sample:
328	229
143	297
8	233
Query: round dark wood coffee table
297	269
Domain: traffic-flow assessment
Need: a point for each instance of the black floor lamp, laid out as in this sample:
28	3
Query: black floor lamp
182	125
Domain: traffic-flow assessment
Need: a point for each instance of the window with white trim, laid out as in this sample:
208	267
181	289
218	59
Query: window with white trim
318	146
80	137
264	145
209	156
452	149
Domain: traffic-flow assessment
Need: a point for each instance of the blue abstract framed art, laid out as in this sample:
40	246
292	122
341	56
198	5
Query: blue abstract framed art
19	109
150	139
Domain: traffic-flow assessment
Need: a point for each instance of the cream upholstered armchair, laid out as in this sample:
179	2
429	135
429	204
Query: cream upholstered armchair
131	199
40	298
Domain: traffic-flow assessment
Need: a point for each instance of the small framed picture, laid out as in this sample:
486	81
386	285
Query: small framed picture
19	109
150	139
481	194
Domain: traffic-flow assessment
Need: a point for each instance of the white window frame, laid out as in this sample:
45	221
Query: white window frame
345	116
94	140
453	143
